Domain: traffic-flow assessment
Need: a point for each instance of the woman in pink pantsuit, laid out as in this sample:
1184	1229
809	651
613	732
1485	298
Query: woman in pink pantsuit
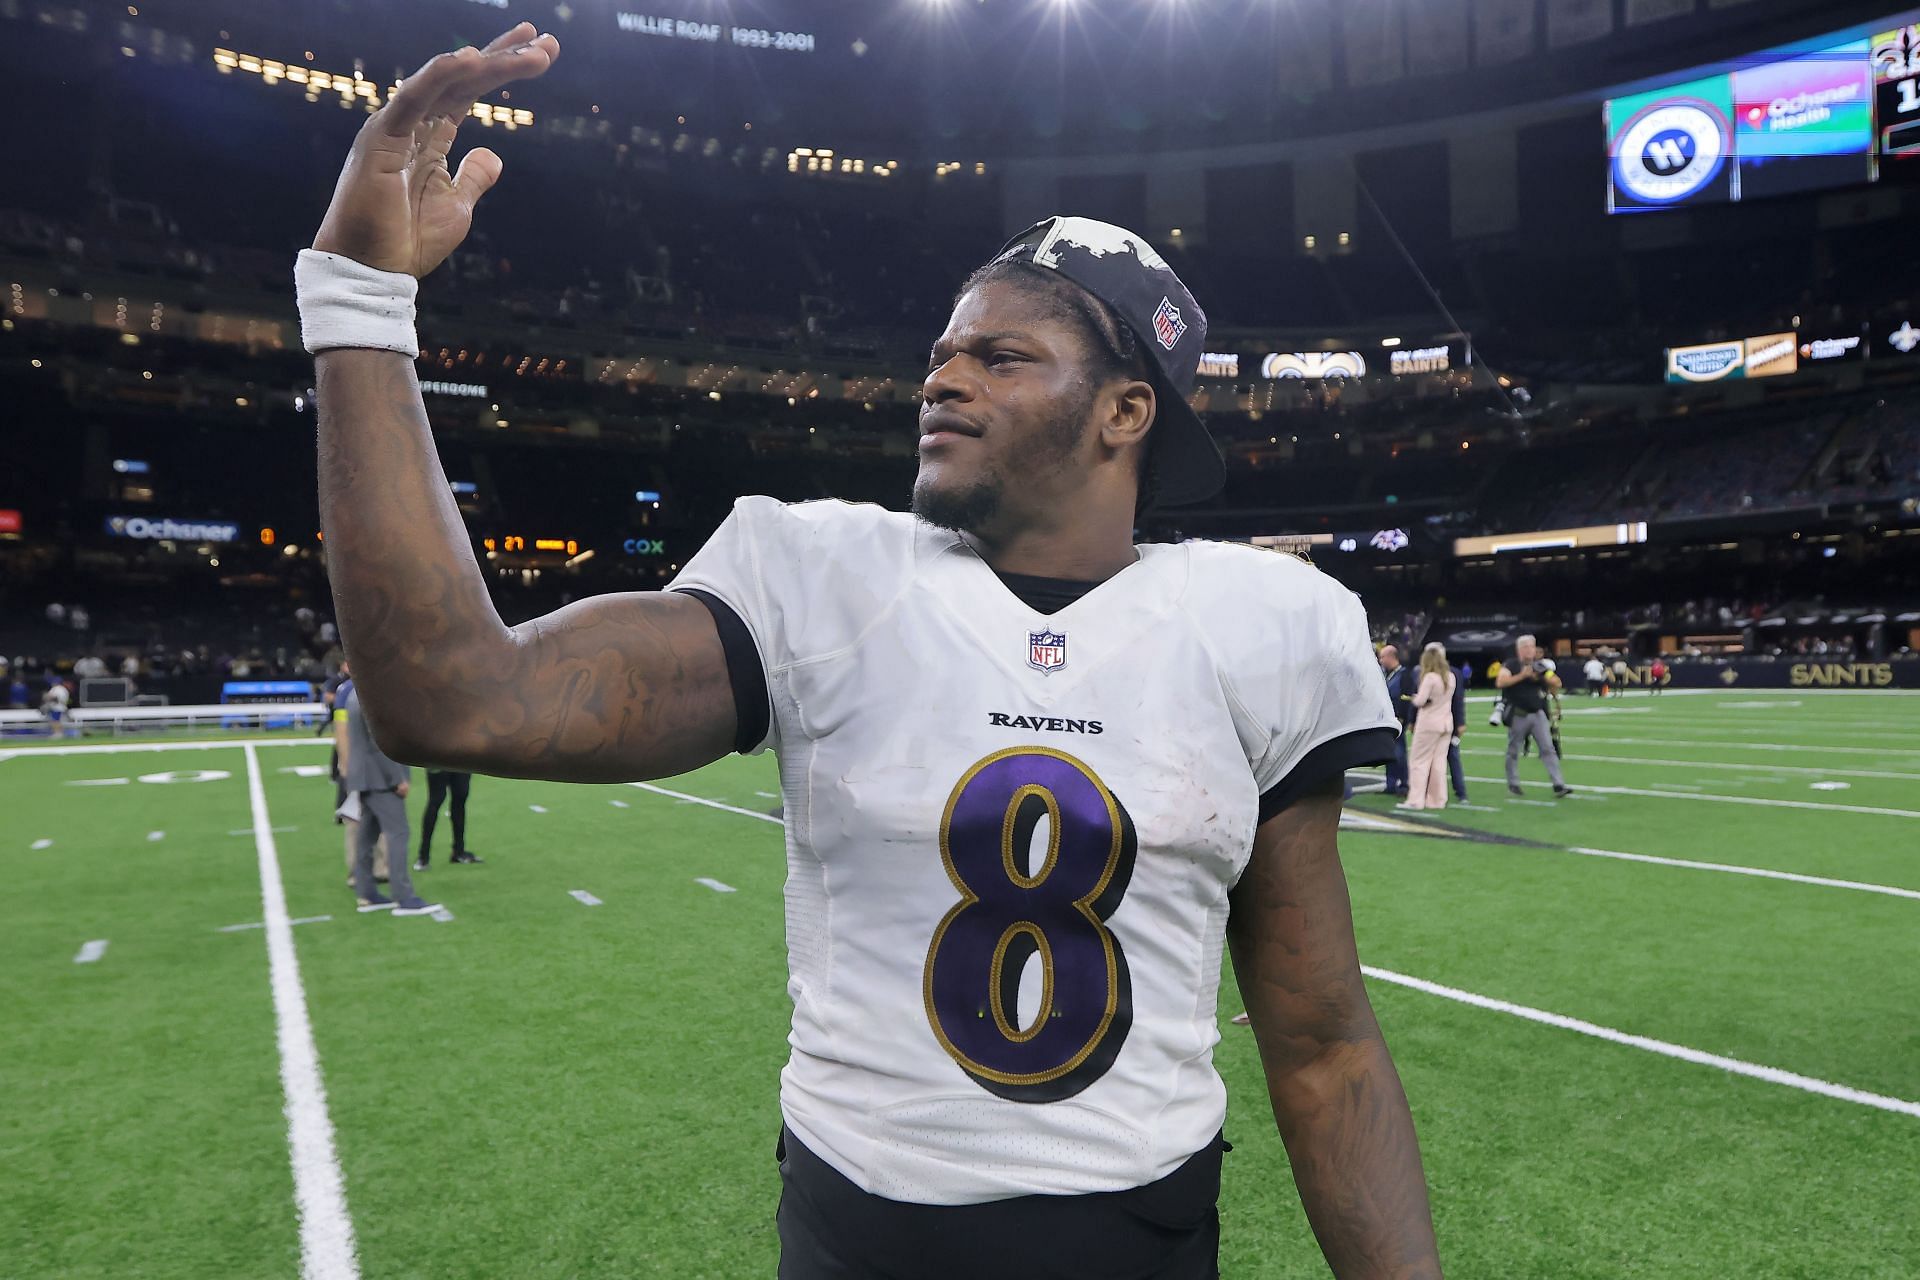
1432	731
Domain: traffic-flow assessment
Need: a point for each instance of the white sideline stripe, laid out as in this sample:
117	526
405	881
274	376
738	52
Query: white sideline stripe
1737	870
319	1189
247	831
1705	764
711	804
42	844
120	748
715	885
1752	1070
261	924
91	951
1799	747
585	897
1759	800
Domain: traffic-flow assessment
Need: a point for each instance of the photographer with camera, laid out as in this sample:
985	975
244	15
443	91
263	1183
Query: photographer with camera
1523	682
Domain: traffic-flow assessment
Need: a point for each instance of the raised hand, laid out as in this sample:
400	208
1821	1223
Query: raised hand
397	206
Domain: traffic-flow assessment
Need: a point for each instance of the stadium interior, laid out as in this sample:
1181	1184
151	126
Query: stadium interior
1440	366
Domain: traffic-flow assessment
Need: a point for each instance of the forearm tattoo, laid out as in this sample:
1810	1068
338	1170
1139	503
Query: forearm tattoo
609	689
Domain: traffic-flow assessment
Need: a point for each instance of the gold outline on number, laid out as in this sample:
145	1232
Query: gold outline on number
1084	905
1000	1018
1021	880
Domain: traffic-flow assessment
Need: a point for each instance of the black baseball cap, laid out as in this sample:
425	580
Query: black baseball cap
1128	275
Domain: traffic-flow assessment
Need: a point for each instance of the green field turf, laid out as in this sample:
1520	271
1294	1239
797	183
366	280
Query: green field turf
543	1088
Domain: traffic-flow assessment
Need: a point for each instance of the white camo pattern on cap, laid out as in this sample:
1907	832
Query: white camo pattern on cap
1098	239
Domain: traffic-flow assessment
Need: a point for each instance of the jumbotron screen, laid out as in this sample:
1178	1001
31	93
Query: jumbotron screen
1820	113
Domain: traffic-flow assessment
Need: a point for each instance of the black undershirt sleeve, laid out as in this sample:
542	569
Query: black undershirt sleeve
752	708
1331	759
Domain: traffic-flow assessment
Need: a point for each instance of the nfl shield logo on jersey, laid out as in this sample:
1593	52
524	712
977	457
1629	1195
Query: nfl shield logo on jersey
1046	650
1168	324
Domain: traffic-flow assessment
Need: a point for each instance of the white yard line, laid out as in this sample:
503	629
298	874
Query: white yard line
1799	748
715	885
1713	799
122	748
711	804
1754	1071
261	924
42	843
327	1250
1762	872
585	898
1704	764
91	951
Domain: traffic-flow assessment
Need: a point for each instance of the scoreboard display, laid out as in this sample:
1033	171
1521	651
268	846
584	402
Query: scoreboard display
1818	114
1896	90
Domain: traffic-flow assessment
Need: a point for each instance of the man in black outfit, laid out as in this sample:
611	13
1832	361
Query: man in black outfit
440	784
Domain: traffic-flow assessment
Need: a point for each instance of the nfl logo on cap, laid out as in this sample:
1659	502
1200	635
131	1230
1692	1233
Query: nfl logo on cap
1046	650
1167	324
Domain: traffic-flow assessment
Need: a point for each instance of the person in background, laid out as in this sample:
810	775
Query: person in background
1432	730
1658	674
380	784
1555	687
1455	769
53	705
442	783
1620	675
1400	694
1524	683
336	698
1596	673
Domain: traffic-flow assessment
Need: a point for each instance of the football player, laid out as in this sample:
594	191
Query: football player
1034	776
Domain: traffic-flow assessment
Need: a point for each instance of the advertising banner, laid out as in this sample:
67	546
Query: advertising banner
1846	349
165	528
1808	116
1780	673
1771	356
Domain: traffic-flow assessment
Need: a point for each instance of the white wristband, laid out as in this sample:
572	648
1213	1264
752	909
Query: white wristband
344	303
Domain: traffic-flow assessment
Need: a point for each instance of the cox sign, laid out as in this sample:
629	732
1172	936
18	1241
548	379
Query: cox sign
645	546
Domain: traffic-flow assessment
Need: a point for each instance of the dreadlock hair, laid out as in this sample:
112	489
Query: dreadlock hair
1116	350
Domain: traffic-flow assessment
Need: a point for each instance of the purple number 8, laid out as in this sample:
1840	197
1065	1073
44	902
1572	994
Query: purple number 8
1008	912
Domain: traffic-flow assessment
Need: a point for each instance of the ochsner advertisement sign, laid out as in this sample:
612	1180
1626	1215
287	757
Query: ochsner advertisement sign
162	529
1770	356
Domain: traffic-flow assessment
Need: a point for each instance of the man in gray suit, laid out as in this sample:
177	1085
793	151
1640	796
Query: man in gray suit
381	786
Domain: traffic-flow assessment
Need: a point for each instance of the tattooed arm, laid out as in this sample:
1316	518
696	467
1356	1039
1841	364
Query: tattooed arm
1335	1094
610	689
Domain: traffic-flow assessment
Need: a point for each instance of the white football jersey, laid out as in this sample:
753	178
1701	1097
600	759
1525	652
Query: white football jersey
1011	835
